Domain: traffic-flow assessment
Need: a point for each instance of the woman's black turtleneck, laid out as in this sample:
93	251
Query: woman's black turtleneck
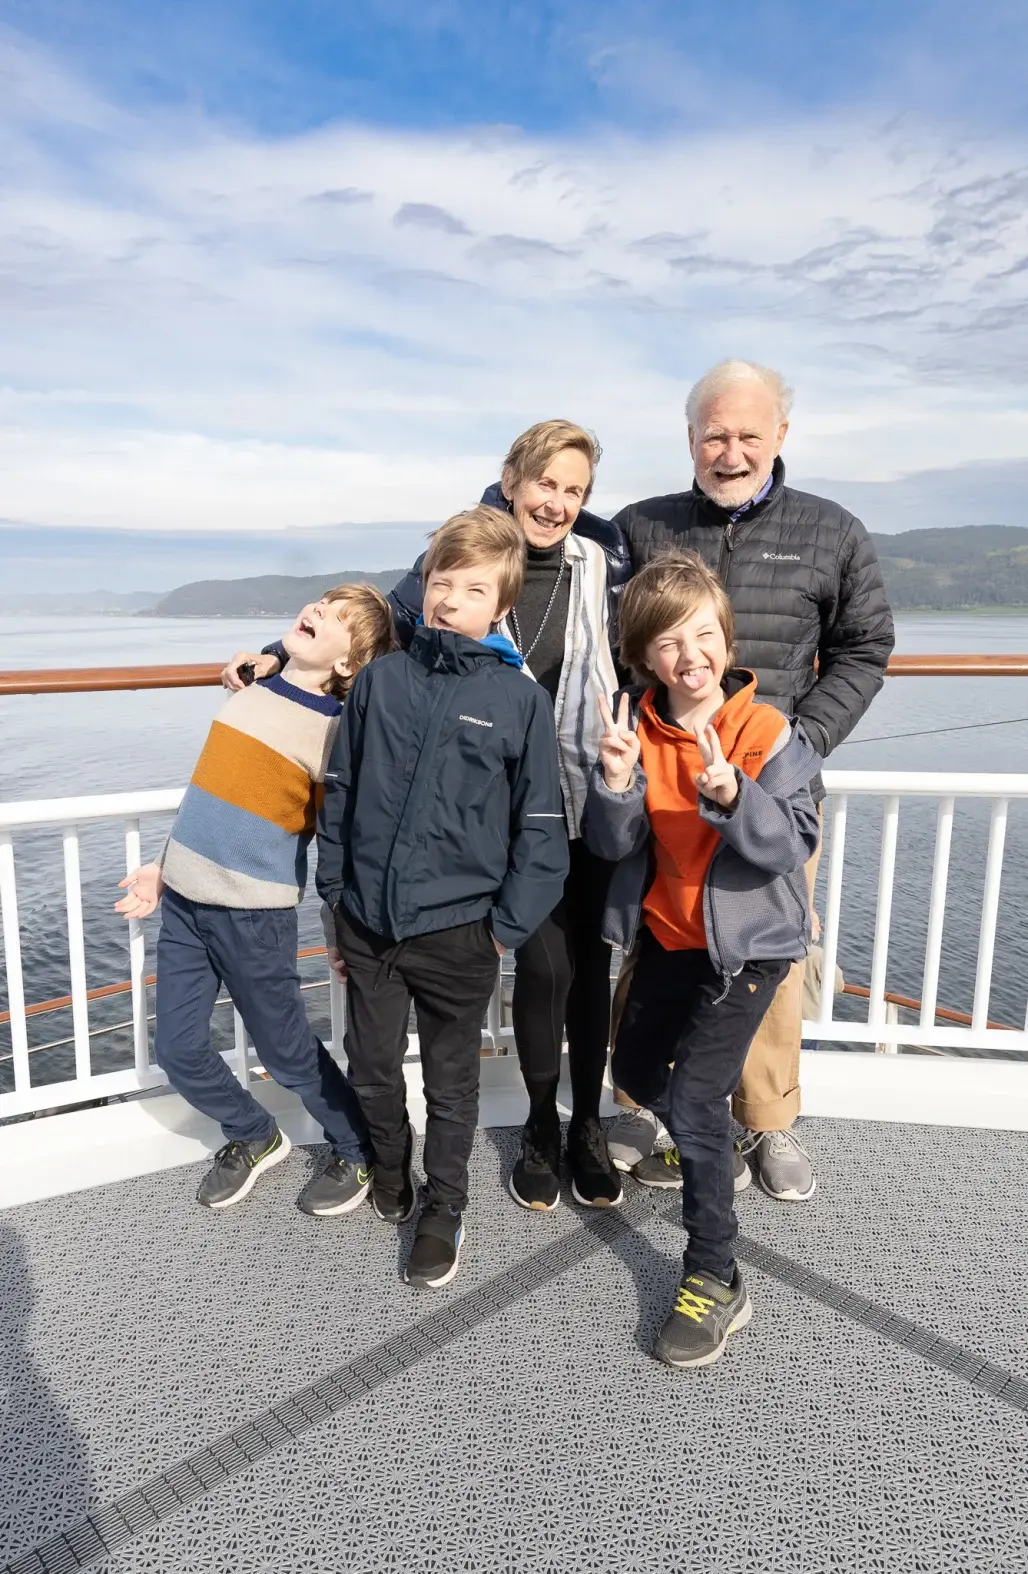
547	658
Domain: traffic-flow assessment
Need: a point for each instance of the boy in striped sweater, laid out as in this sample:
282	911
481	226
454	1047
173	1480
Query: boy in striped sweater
229	880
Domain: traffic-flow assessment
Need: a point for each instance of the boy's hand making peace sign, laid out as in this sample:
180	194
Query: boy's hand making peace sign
718	779
619	746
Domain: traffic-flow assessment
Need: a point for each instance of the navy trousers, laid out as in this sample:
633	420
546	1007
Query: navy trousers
674	1018
253	953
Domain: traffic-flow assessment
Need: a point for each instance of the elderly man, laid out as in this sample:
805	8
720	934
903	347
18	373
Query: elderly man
806	588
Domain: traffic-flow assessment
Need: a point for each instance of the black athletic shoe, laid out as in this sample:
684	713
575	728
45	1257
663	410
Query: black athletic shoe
236	1168
435	1257
595	1183
392	1192
535	1182
706	1311
339	1188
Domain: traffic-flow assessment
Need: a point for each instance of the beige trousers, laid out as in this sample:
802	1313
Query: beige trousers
768	1095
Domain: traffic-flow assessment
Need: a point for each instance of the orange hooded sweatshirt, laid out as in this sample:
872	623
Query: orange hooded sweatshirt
683	843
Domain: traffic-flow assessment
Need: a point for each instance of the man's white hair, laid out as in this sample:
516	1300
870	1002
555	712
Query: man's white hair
728	374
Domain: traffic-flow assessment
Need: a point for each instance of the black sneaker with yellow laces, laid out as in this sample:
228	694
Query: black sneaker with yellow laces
706	1312
339	1188
662	1169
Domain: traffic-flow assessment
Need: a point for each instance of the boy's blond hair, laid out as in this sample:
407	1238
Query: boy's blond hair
532	451
480	535
369	618
661	596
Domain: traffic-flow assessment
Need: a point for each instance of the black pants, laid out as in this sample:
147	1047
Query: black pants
563	982
449	976
673	1015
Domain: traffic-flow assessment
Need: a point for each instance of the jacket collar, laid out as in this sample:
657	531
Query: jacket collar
721	516
439	650
739	687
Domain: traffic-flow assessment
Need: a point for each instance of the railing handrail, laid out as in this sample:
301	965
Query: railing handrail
96	680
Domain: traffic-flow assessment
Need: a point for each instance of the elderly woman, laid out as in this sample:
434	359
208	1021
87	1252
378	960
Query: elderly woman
564	625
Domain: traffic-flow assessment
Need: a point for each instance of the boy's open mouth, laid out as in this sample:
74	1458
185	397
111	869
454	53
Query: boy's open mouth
306	627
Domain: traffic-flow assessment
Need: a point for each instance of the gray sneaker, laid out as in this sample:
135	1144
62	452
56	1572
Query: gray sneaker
783	1164
705	1313
633	1137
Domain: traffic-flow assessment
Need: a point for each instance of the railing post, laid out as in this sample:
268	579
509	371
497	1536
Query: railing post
936	913
12	960
494	1014
337	1011
76	953
833	911
242	1055
137	959
990	909
892	1017
883	911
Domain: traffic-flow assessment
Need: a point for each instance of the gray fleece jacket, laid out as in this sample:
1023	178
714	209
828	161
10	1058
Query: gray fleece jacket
756	906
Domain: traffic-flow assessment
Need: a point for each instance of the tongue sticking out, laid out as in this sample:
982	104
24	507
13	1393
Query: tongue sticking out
694	679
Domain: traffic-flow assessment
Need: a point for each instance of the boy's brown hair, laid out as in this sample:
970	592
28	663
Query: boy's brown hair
478	536
370	620
660	596
532	451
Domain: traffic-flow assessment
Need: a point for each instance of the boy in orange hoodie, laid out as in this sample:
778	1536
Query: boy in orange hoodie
704	803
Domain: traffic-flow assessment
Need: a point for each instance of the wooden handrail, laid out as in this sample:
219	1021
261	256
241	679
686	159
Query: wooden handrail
942	1012
96	680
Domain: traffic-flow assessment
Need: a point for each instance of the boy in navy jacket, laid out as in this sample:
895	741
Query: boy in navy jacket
441	844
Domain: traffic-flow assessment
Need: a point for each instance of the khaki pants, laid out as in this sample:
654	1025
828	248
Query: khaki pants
768	1095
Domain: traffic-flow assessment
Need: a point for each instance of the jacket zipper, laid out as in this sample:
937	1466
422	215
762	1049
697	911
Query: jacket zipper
727	545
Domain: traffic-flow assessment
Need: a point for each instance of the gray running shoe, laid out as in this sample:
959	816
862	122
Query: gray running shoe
236	1168
706	1311
742	1175
339	1187
783	1164
633	1137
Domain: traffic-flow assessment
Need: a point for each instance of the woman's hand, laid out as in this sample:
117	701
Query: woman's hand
717	780
263	667
146	887
619	746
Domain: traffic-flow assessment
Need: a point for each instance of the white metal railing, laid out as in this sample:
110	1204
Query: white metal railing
882	1030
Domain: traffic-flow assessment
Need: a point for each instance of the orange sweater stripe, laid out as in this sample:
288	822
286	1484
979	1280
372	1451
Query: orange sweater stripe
683	843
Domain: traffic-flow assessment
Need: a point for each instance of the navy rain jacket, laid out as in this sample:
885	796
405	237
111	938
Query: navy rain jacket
442	798
405	598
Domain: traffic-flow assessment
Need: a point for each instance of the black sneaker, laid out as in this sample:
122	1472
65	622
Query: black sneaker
339	1188
595	1183
435	1256
535	1182
696	1331
236	1168
392	1192
662	1169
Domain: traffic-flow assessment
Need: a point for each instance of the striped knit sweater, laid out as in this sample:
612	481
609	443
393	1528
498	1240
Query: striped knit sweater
242	832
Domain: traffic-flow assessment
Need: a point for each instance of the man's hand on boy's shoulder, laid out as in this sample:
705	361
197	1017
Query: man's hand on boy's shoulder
262	666
146	886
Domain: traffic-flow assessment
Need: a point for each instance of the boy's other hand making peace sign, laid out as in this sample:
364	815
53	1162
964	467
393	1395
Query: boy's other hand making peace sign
619	746
718	779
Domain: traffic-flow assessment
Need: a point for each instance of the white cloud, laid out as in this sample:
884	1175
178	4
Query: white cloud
202	328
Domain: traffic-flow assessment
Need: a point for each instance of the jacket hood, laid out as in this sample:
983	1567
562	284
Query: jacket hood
723	514
739	687
440	650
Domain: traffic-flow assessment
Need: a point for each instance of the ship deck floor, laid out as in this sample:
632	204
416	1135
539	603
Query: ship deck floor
259	1392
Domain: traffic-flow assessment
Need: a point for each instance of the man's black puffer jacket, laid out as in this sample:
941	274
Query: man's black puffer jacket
805	584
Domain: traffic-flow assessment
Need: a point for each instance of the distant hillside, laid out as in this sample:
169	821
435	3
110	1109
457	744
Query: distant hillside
78	602
960	566
270	595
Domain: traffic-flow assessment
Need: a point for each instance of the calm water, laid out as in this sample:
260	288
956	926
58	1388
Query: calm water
64	745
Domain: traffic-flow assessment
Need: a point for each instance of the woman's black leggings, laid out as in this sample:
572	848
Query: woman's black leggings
563	981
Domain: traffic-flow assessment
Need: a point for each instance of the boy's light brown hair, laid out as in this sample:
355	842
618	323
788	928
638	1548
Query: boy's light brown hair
662	595
369	618
480	535
532	451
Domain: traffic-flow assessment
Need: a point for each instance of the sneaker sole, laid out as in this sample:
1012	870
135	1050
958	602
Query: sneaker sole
741	1182
342	1207
597	1202
788	1196
532	1207
268	1161
658	1185
739	1322
422	1283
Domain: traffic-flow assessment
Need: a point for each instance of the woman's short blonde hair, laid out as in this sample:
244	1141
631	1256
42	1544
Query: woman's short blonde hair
662	595
478	536
532	451
369	618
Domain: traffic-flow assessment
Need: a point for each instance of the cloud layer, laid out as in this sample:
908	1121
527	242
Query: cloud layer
203	328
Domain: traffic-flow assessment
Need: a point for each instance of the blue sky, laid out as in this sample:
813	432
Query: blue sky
272	267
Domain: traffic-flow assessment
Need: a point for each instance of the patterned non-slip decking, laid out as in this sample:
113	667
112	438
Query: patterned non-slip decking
871	1417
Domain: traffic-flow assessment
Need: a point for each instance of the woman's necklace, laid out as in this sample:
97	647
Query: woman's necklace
524	654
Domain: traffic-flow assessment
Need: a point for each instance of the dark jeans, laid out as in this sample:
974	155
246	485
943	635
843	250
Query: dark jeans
673	1014
562	983
253	953
449	976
